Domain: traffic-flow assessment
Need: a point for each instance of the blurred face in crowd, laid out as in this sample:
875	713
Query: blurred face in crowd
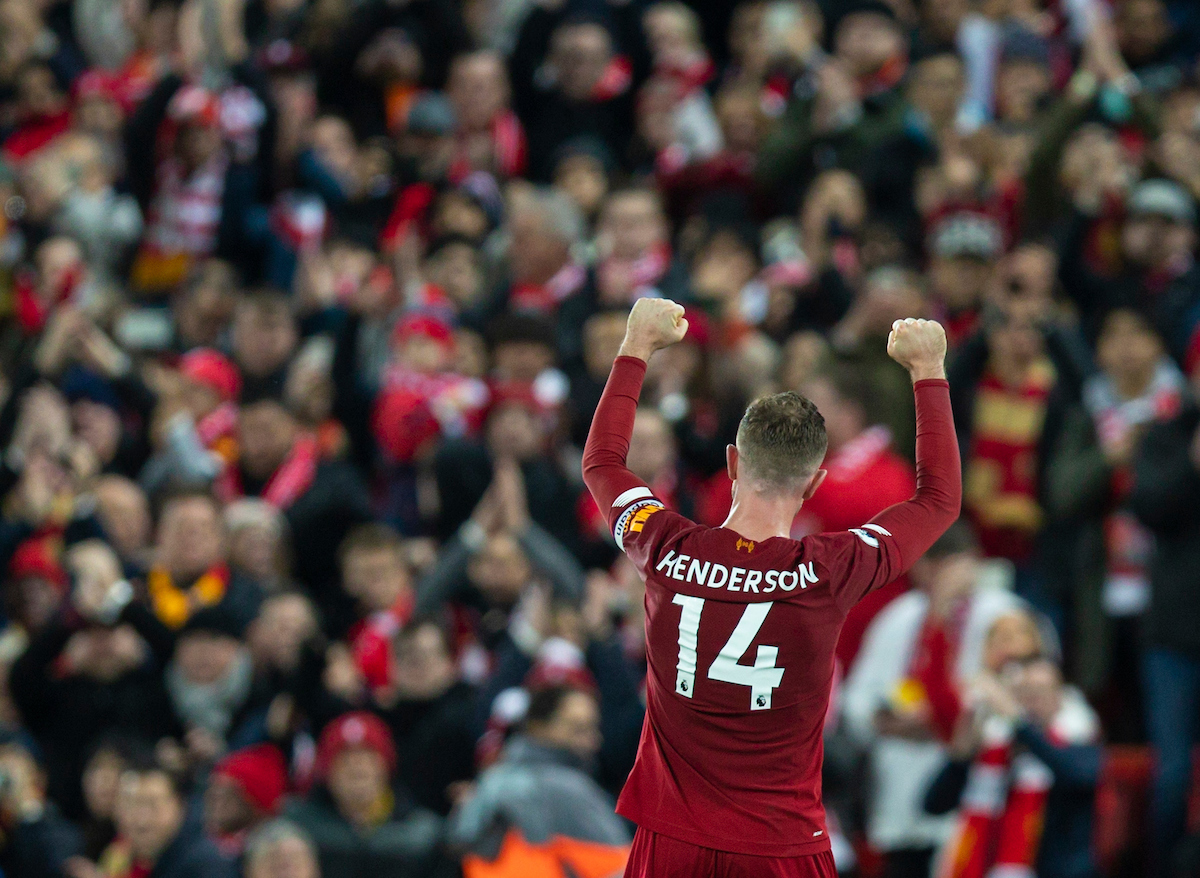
59	264
1038	689
375	576
950	579
575	726
256	549
38	93
149	813
288	857
424	666
358	778
1128	350
1143	27
959	281
264	336
1154	242
226	810
514	431
631	223
1015	338
191	537
652	445
197	143
936	88
522	361
1029	272
583	178
334	144
865	41
266	434
99	426
1012	638
537	251
206	657
104	654
203	312
579	53
500	570
602	337
1021	84
101	778
844	418
277	634
458	270
478	89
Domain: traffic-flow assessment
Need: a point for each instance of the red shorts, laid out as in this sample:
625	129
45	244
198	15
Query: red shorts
658	856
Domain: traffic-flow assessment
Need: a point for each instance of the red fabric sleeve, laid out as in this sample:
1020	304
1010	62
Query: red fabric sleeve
604	470
917	523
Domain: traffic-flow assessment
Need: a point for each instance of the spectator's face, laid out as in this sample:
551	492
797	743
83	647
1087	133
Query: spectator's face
1150	241
100	781
375	577
202	315
226	810
1127	348
602	337
1016	341
1012	638
959	281
1038	689
478	89
287	858
500	571
584	180
515	431
99	115
99	427
522	361
951	579
105	654
651	446
741	120
575	726
256	549
358	778
632	223
38	93
33	601
334	145
456	268
457	214
1143	26
844	419
283	624
865	41
536	252
266	433
125	513
936	87
191	538
148	815
197	143
424	667
580	54
264	337
205	657
1020	87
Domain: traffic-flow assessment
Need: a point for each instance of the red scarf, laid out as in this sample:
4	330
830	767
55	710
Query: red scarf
287	484
1000	487
30	310
510	152
545	298
931	673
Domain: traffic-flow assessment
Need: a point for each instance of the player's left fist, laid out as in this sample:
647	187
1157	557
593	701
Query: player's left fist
653	324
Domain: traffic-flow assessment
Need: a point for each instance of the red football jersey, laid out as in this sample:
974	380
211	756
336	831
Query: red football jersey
741	637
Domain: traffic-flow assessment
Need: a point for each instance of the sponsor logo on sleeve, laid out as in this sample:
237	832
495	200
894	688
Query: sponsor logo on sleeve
633	519
867	533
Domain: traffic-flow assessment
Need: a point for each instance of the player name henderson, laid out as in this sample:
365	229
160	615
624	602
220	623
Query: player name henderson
685	568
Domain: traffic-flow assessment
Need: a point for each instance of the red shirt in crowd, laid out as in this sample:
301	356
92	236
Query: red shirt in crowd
741	636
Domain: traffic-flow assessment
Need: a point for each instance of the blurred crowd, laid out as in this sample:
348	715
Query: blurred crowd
305	306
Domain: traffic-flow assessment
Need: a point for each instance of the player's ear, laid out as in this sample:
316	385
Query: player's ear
818	477
731	461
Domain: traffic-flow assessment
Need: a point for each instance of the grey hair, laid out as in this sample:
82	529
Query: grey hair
560	215
272	833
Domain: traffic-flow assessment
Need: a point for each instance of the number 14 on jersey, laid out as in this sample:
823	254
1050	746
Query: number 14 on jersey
762	677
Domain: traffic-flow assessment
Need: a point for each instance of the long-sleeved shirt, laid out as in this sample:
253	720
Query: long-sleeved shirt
731	750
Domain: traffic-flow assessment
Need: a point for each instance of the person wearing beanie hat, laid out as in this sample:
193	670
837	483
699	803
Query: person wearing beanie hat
246	789
354	816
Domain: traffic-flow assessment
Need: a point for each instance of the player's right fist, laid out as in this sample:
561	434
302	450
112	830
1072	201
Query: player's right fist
919	346
653	324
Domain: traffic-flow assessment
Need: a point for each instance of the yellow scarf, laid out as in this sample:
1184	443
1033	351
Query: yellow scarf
173	605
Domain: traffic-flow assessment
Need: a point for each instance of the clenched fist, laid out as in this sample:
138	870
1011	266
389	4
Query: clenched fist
653	324
919	346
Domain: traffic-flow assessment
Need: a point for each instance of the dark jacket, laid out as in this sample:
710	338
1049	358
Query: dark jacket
1066	846
191	855
1166	497
406	845
38	848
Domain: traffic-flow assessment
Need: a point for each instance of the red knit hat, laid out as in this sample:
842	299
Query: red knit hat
212	369
423	325
357	729
260	771
36	557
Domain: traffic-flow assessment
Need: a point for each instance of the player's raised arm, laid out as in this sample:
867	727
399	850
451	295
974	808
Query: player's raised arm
653	324
914	525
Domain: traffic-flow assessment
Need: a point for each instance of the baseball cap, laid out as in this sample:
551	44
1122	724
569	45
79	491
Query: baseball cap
423	326
1162	198
212	369
970	235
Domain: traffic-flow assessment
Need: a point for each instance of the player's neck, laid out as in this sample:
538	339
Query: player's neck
760	519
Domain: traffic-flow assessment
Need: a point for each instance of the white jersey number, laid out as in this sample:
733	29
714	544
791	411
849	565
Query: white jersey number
762	677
